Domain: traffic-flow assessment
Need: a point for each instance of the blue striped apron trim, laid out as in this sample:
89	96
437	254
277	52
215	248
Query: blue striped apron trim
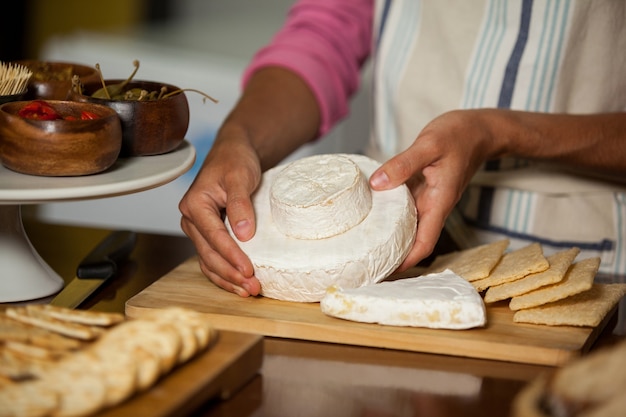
488	45
600	246
512	67
504	100
393	64
383	20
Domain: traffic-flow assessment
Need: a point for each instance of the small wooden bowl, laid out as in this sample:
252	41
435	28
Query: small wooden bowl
51	86
150	127
60	147
13	97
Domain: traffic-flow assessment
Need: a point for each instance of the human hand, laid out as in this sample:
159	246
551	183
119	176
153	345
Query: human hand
229	175
437	167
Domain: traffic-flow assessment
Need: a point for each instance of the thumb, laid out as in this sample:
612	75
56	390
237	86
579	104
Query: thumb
394	172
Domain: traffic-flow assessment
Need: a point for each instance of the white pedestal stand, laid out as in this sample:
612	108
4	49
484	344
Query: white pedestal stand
24	275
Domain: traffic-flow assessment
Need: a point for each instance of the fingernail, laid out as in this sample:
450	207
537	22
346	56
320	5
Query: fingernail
240	291
242	229
379	180
246	287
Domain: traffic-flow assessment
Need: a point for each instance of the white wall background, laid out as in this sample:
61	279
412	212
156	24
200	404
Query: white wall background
206	47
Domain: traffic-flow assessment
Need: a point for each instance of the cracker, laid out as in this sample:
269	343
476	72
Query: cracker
158	337
472	264
586	309
29	398
148	366
147	369
579	278
5	381
90	318
79	383
17	331
190	344
191	324
35	318
35	352
120	376
115	360
15	366
515	265
559	264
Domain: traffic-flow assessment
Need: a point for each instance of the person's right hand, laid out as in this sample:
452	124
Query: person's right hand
276	114
229	175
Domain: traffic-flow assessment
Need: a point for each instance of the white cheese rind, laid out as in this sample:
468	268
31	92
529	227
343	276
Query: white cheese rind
439	301
302	269
319	196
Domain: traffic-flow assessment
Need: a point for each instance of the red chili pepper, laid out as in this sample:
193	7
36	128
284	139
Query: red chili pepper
87	115
39	110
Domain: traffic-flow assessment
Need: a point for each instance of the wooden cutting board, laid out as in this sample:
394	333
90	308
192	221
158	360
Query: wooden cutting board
501	339
228	365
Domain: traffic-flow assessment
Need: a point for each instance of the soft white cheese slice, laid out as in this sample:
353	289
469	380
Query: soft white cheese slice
440	301
294	269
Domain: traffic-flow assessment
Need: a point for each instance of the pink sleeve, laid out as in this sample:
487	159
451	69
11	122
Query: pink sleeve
326	42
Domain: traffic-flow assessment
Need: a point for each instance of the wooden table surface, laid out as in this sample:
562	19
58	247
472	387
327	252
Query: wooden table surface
300	378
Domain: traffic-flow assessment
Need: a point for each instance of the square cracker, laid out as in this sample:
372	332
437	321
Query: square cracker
587	308
472	264
515	265
579	278
559	264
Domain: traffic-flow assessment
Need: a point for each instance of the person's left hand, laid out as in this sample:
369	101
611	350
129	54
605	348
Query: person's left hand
437	168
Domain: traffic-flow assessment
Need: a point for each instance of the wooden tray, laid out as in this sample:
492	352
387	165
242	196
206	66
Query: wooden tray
501	339
216	374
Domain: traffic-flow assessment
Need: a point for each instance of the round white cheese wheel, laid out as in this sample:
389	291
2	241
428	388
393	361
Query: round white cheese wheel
297	269
319	196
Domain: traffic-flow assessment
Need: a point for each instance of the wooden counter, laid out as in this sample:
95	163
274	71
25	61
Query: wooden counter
309	378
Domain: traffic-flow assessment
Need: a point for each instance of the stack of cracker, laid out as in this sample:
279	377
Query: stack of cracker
552	290
62	362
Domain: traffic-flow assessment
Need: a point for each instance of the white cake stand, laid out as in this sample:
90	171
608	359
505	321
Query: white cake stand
23	274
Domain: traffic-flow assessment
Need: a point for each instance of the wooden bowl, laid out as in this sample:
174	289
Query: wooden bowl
12	97
55	83
149	127
59	147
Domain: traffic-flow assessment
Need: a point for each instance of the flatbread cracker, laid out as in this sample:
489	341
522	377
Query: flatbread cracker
579	278
29	398
160	338
559	264
79	383
90	318
515	265
35	352
16	366
120	375
472	264
120	359
586	309
17	331
195	329
35	318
